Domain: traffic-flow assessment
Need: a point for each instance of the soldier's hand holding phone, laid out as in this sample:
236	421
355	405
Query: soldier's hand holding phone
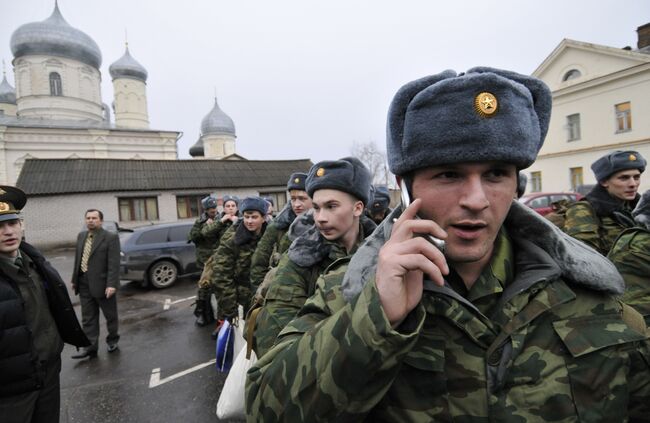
403	261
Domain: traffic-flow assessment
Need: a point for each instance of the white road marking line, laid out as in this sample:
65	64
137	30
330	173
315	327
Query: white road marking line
169	302
155	379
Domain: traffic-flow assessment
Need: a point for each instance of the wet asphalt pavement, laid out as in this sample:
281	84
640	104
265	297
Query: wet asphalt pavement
115	387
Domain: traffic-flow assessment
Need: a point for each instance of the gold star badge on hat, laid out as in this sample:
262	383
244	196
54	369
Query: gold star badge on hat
632	157
320	171
4	207
296	180
486	104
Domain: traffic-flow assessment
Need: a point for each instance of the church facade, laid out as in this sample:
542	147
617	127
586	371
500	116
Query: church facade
56	109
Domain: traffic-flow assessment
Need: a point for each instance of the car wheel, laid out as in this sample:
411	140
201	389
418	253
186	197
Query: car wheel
163	273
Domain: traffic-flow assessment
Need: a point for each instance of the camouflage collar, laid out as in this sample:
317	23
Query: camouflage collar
285	218
604	204
310	247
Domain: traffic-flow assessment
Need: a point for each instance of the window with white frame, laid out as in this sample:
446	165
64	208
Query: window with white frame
536	181
623	117
55	84
573	127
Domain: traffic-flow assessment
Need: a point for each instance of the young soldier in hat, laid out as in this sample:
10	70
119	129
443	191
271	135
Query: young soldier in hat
606	211
232	260
379	207
515	322
339	190
36	318
275	242
204	247
211	232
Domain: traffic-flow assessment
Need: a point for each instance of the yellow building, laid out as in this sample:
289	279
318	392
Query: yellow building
600	104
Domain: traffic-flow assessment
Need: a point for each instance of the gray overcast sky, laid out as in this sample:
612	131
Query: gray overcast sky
305	79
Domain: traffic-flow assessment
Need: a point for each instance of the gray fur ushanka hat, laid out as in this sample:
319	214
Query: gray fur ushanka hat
484	114
617	161
347	175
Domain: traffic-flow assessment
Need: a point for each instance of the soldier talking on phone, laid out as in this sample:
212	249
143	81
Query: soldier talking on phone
515	322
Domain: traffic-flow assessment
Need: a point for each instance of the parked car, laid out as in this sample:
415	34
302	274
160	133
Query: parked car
157	254
541	201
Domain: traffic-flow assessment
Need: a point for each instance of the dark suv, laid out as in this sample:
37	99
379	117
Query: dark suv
157	254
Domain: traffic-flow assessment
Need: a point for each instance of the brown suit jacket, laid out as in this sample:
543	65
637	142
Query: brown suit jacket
103	263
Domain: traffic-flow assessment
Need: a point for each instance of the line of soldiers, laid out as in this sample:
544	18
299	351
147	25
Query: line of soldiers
513	320
241	255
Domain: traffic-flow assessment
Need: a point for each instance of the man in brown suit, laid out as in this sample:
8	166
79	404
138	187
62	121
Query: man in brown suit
95	278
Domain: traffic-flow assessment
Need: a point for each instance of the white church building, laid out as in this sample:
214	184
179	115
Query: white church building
56	110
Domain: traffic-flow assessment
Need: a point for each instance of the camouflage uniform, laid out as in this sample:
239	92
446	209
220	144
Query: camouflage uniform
295	280
204	244
211	234
231	269
598	219
631	256
536	338
272	245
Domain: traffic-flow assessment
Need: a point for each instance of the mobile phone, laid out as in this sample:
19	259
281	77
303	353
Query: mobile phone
406	200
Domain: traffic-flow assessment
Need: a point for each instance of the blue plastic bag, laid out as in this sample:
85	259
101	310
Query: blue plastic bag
225	346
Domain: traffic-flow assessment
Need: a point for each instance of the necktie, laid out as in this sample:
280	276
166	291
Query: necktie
19	262
88	245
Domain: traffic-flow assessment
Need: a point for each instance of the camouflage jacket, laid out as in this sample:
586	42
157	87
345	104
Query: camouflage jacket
295	280
554	346
272	245
598	219
631	256
204	244
231	268
215	230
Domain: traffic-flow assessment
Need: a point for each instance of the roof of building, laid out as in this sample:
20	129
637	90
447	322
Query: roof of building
197	150
55	37
217	122
68	176
127	67
7	92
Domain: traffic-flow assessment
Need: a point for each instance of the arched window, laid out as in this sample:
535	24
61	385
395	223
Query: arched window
55	84
572	74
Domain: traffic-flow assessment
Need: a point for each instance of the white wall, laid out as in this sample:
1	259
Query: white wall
130	103
55	220
20	143
81	97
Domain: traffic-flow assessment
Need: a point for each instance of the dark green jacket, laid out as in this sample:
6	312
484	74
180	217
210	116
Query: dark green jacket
295	280
555	345
631	256
231	268
272	245
598	219
204	245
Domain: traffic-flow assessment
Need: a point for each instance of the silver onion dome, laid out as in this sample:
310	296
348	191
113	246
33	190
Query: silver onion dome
127	67
55	37
217	122
197	149
7	92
